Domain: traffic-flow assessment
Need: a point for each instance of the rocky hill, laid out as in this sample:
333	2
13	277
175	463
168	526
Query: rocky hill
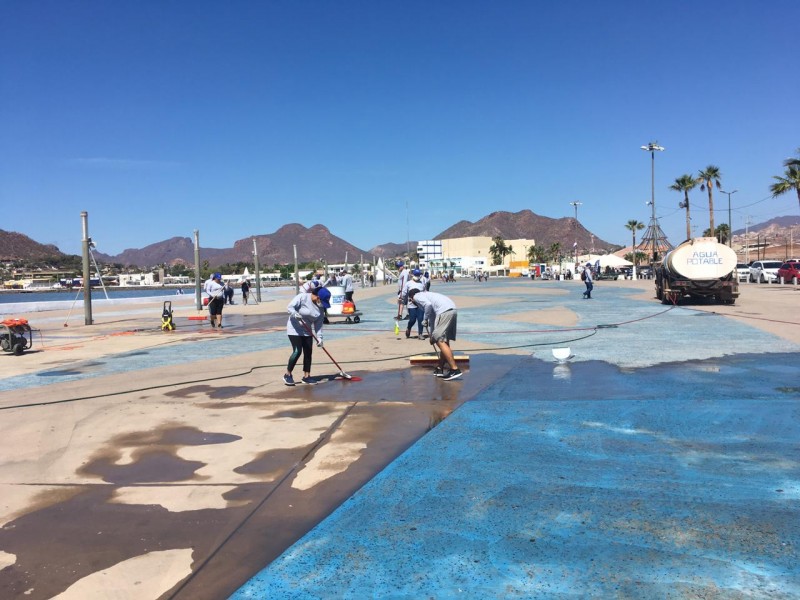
318	242
779	226
528	225
276	248
391	249
16	246
171	251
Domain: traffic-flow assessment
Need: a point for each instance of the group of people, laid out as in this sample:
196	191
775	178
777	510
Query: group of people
307	317
219	294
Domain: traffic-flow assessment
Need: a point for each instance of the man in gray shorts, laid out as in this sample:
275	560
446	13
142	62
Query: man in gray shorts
441	313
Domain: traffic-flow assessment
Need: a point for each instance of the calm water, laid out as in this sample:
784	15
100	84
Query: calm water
97	294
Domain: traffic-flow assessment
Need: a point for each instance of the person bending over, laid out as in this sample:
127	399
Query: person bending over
439	310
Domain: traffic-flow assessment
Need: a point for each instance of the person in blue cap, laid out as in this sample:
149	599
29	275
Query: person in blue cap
306	317
216	299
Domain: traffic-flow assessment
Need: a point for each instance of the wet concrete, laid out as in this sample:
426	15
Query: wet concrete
627	471
387	413
581	480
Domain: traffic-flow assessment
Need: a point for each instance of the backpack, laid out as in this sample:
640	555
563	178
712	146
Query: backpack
583	275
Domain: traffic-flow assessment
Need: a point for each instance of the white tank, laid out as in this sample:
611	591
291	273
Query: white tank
701	259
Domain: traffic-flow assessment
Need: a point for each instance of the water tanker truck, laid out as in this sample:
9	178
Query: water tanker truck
698	268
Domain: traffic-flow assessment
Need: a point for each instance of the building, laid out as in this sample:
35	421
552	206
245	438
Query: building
468	255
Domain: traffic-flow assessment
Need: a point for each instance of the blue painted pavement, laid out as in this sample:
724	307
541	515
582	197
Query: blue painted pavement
663	462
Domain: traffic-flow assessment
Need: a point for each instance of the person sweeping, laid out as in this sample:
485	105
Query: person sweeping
440	311
306	317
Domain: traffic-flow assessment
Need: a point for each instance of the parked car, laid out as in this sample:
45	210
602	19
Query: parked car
790	272
742	271
764	271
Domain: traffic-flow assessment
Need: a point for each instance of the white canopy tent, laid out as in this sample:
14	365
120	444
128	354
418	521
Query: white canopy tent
606	260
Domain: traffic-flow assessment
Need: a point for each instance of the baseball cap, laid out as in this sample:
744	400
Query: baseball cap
416	272
324	295
217	276
399	264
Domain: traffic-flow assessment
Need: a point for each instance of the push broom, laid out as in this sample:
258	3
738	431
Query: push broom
342	374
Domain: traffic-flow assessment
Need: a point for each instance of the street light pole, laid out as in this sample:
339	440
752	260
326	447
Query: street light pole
576	204
730	224
652	147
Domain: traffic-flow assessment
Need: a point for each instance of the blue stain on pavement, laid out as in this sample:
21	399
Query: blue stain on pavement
680	480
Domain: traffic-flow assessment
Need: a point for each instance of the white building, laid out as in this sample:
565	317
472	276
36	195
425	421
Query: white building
468	255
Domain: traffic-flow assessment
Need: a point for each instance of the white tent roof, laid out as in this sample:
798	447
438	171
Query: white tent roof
606	260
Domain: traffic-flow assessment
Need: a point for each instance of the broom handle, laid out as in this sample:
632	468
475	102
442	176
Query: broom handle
333	360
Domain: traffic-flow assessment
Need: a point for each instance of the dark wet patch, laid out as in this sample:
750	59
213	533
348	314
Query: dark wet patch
272	462
155	456
59	373
67	541
788	390
148	467
223	392
222	405
127	354
303	411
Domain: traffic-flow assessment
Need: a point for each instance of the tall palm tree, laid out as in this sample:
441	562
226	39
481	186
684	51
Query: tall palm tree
633	225
790	180
707	179
793	162
684	184
498	250
555	251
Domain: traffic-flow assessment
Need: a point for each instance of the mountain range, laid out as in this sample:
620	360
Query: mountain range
318	242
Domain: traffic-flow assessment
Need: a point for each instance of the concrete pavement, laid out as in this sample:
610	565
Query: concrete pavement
141	464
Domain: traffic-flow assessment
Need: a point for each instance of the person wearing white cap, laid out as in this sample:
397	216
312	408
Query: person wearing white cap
414	314
402	277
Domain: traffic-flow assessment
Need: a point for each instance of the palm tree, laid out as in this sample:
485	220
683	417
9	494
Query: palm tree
536	254
498	250
793	162
791	179
633	225
684	184
555	251
707	179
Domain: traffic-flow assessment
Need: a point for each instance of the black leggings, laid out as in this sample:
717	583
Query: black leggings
301	344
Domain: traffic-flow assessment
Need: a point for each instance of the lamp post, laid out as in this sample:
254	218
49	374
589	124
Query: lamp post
730	224
652	147
576	204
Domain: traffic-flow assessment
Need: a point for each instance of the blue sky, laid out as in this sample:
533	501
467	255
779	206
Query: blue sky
385	121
